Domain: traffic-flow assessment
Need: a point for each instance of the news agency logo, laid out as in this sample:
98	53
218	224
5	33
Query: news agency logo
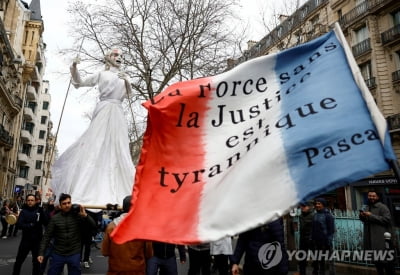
343	255
270	254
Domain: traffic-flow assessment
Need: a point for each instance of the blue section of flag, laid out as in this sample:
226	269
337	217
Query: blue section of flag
329	137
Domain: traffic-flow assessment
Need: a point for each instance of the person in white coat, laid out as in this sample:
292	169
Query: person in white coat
220	250
97	169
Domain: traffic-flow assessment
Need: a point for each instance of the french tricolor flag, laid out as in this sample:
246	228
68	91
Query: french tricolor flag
227	153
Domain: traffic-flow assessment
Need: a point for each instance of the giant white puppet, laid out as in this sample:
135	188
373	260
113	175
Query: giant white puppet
97	169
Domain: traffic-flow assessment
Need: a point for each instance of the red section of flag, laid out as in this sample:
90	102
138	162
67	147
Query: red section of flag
162	184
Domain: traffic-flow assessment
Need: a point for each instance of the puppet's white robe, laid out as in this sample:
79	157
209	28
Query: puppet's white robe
97	169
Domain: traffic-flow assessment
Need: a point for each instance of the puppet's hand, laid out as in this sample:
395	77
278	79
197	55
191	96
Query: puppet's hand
123	76
75	61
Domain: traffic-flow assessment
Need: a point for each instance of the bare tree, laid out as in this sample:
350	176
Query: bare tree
164	41
281	12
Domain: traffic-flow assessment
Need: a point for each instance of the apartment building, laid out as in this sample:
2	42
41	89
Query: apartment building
372	29
24	99
12	91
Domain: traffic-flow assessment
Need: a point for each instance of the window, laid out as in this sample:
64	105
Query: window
396	18
36	180
315	20
29	127
45	105
279	31
38	164
366	70
397	60
23	172
26	37
42	134
26	149
360	35
359	2
304	11
32	105
40	149
43	119
339	14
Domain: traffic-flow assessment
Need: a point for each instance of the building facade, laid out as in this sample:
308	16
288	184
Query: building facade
372	29
24	99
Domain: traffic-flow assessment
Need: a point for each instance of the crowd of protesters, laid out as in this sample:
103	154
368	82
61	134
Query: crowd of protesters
64	235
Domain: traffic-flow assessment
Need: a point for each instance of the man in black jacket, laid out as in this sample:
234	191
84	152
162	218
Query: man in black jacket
65	228
31	221
164	259
258	245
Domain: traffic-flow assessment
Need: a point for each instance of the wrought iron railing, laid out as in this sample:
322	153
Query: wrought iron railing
5	138
354	13
391	35
396	76
362	47
371	83
361	10
349	237
393	122
282	30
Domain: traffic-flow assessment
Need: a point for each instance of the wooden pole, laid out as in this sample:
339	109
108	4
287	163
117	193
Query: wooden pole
104	207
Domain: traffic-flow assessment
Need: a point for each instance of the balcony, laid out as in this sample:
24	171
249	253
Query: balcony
23	158
354	14
393	123
362	47
396	76
365	8
371	83
391	35
26	136
18	101
21	181
28	114
31	93
5	139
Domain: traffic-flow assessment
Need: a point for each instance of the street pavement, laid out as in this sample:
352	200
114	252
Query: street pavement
9	247
8	252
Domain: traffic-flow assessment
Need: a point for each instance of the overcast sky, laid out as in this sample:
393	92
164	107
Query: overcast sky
74	122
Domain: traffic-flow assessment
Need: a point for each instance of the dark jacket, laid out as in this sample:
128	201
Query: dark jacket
376	225
166	250
306	220
250	243
323	228
31	221
65	228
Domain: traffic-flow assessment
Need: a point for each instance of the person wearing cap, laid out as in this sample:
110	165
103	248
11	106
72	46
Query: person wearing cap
31	221
322	231
305	220
127	258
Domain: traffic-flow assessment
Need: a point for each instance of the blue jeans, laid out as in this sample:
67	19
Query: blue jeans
57	263
167	266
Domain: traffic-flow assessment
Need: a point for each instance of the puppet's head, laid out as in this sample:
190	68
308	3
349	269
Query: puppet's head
113	58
